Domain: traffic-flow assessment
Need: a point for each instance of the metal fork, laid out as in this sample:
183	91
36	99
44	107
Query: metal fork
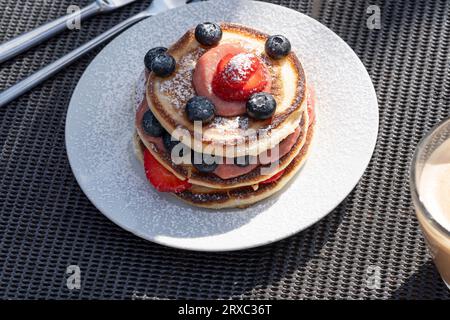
32	38
156	7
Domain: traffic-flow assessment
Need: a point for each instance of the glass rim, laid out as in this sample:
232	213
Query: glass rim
413	178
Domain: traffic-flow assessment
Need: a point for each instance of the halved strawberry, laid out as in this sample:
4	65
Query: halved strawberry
162	179
238	76
256	82
273	178
223	63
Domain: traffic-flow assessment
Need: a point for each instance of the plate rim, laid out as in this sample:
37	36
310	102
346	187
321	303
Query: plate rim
228	248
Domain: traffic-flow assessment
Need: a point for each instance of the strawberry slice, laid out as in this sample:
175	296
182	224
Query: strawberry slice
273	178
162	179
237	69
223	63
256	82
238	76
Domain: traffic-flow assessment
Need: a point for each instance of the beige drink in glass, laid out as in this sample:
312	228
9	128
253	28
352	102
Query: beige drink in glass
430	187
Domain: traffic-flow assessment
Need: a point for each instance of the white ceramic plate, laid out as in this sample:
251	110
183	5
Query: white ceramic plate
100	126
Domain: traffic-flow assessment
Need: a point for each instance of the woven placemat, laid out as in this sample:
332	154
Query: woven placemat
47	223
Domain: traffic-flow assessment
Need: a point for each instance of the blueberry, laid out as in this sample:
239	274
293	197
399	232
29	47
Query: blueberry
170	143
150	56
200	109
205	163
277	47
261	105
151	125
208	33
163	65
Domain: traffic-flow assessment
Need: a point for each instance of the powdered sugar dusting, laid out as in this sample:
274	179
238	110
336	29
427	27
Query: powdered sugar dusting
239	67
139	90
231	123
179	88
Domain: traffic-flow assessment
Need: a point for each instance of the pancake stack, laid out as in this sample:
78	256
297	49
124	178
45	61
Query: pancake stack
224	117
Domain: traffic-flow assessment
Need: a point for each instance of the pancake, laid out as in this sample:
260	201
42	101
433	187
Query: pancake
210	180
243	196
235	135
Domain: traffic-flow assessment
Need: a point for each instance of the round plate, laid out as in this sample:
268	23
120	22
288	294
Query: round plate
100	127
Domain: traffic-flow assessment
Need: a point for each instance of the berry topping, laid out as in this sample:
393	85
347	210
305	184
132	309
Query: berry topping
161	178
277	47
163	65
273	178
200	109
239	76
151	125
170	143
208	33
261	105
204	162
150	56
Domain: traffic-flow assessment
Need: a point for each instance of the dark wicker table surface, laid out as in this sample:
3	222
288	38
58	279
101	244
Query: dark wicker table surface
47	223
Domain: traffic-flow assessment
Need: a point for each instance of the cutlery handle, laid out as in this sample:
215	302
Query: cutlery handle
34	37
23	86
